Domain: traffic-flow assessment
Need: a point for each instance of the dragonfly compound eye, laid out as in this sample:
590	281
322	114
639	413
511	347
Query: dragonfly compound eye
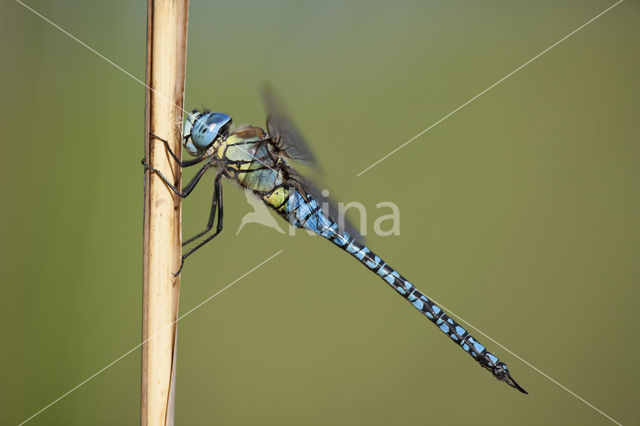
204	129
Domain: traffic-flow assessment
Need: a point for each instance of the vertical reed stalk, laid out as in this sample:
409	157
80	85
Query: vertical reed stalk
165	75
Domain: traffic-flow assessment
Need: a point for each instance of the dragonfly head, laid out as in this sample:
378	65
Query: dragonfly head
202	129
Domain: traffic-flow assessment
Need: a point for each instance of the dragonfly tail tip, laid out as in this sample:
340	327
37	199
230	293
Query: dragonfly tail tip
502	373
511	382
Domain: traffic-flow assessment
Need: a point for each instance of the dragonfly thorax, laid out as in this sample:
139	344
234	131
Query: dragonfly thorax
201	130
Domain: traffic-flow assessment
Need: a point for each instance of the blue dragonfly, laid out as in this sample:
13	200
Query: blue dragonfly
260	161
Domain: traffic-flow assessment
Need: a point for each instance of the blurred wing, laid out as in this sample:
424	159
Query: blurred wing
287	136
283	132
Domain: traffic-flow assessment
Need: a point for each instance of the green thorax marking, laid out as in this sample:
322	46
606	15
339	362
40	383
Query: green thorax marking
251	160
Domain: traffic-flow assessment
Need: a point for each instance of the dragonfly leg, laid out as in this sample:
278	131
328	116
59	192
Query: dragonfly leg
187	163
218	203
212	215
190	186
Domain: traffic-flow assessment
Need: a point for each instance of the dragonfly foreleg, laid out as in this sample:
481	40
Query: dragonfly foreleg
190	186
187	163
218	204
212	214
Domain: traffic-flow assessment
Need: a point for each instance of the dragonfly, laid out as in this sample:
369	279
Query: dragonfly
262	161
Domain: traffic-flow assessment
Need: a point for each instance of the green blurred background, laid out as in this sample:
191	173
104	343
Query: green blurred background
519	212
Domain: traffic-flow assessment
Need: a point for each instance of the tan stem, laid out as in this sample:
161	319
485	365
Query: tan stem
165	75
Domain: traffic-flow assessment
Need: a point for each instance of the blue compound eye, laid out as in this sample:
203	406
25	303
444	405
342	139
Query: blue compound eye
203	129
208	127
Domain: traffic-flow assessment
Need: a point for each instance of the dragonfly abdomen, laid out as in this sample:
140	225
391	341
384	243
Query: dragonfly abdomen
307	213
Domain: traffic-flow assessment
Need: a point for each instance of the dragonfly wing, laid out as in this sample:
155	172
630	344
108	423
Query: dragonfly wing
289	139
283	132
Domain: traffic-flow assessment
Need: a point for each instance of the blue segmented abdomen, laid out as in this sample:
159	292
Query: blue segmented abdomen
308	214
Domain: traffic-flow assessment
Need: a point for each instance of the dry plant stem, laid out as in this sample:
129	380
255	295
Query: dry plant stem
166	58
